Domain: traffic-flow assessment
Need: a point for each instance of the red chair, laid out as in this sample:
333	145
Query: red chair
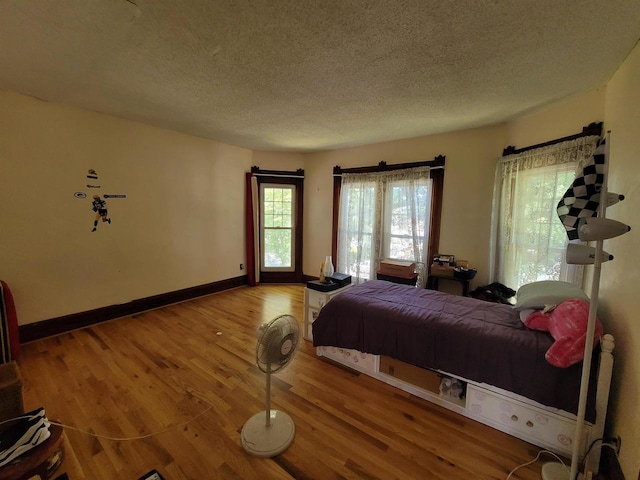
9	339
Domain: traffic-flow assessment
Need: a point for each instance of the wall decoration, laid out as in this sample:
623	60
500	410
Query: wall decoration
100	207
98	203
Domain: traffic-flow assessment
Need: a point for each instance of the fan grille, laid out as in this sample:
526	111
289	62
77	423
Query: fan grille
277	343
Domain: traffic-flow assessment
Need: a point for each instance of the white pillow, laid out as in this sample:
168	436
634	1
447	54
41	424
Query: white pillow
537	295
525	313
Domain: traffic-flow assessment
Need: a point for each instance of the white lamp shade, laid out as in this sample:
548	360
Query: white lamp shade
613	198
595	228
584	255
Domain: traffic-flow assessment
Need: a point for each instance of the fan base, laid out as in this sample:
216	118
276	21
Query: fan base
262	441
557	471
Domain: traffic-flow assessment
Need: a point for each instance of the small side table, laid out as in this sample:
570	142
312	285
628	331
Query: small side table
433	281
314	300
41	461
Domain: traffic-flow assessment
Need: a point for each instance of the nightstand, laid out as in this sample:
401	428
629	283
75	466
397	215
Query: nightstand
433	280
313	303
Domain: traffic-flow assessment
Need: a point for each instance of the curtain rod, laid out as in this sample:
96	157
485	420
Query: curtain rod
591	129
437	162
277	173
388	170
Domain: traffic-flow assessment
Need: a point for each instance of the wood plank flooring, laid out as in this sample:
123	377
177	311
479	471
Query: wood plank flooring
156	371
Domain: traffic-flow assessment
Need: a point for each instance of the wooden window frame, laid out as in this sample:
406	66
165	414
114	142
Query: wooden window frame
437	177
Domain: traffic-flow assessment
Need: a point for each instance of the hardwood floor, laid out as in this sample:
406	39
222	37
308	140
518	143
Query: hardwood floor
155	371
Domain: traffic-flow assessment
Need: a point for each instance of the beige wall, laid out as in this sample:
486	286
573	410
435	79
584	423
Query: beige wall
468	186
557	120
620	278
181	225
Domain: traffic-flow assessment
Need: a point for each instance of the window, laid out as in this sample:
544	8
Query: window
278	226
530	240
385	214
539	239
356	238
406	215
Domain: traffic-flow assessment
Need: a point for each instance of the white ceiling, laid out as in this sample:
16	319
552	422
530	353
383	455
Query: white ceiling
309	75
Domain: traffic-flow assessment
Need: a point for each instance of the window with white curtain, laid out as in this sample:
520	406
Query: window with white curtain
383	215
529	239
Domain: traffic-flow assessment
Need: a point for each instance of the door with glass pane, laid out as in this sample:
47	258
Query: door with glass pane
278	226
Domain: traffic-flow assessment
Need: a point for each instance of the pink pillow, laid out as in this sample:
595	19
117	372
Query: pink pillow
567	324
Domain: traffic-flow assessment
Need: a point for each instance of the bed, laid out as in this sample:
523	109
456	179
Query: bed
482	346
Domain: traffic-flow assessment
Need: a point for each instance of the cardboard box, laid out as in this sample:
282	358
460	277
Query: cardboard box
442	270
420	377
396	279
397	268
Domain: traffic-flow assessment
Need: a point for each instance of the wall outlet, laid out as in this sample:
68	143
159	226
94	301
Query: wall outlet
242	266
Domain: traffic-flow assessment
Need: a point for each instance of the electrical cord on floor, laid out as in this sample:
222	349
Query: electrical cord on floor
534	461
116	439
241	379
125	439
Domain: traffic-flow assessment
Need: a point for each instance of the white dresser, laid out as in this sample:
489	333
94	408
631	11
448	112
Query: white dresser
313	303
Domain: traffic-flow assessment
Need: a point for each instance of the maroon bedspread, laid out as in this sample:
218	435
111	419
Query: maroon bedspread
477	340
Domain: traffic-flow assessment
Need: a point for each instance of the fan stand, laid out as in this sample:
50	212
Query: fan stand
270	432
557	471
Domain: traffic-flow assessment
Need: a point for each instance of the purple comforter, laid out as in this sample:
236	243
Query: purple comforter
477	340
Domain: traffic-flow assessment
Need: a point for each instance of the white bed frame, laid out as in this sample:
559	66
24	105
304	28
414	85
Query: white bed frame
546	427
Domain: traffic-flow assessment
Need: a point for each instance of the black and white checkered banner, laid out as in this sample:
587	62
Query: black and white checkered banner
582	199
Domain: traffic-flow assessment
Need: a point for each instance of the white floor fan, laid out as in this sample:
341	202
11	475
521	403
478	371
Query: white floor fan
270	432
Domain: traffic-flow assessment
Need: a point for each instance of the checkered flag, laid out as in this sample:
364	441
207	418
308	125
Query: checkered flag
582	199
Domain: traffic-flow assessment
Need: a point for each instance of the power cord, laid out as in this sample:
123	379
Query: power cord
534	461
614	443
116	439
241	379
125	439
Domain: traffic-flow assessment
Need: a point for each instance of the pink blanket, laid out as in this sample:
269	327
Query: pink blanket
567	324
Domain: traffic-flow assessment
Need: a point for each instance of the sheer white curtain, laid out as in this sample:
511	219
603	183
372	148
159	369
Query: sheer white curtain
383	215
528	239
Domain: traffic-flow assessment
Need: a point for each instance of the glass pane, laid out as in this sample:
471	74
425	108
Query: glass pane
277	249
401	248
407	204
356	230
278	224
538	236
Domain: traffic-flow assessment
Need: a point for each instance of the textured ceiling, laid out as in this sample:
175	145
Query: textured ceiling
310	75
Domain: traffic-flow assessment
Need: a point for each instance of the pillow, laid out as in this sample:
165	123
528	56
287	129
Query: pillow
546	292
525	313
